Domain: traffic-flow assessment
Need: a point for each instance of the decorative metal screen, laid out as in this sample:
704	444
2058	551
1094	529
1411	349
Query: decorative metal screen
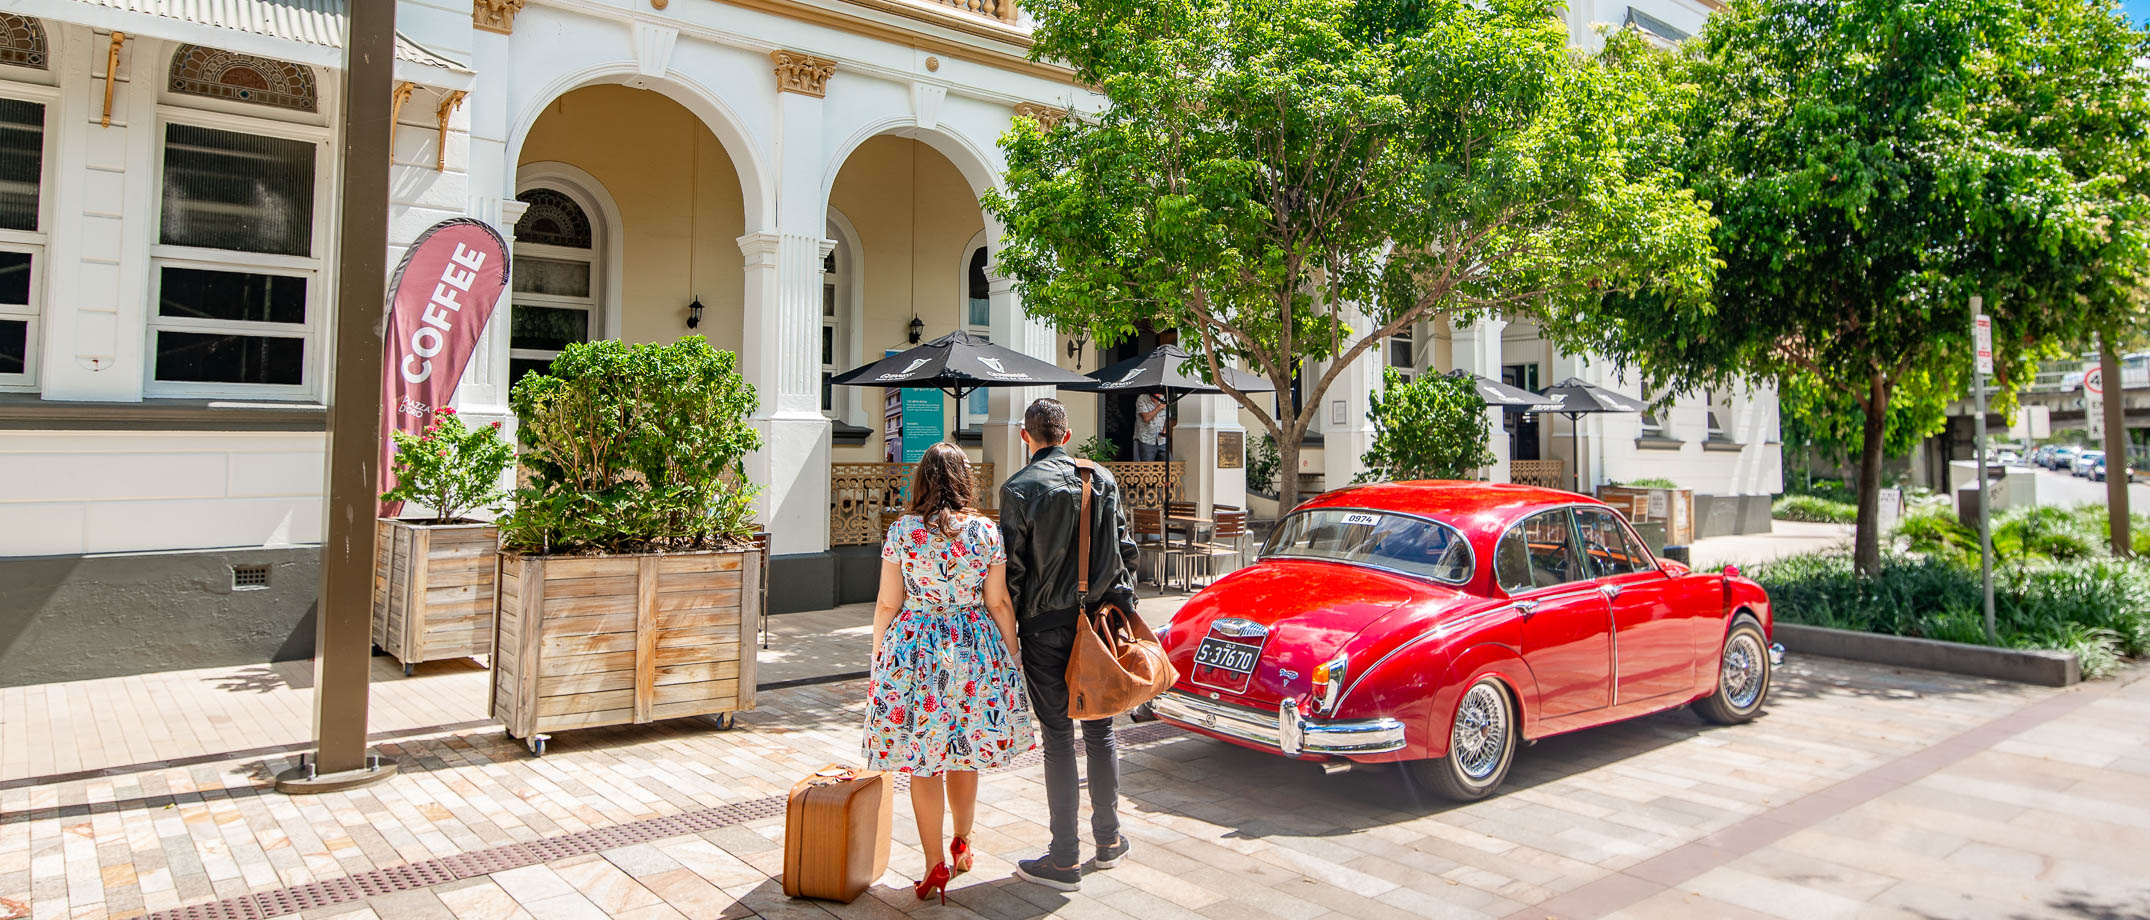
553	220
1147	483
200	71
22	41
1550	474
859	493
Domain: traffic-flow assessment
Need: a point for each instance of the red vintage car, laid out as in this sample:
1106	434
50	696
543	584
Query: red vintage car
1438	623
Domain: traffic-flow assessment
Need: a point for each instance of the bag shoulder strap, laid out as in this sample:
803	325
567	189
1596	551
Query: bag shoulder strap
1082	534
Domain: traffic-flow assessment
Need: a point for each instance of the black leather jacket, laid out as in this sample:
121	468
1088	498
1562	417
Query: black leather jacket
1038	509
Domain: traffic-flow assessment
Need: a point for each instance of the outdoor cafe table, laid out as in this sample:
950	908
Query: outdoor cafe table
1192	525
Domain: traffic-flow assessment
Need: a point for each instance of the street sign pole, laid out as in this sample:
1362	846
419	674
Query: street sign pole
1982	337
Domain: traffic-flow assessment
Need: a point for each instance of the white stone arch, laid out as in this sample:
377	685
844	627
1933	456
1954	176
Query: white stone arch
756	185
596	200
977	168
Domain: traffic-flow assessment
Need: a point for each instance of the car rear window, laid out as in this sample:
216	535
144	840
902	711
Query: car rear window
1399	542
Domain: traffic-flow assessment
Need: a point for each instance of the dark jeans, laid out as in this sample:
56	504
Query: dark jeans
1145	451
1045	668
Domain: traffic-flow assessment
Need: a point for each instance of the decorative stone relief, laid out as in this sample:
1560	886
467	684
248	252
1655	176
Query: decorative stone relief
653	48
1046	116
802	73
22	41
926	100
495	15
219	74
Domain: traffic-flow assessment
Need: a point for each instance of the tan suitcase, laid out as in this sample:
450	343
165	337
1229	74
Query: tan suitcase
836	829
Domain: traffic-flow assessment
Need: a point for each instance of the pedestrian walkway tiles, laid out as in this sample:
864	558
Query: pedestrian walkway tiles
1864	791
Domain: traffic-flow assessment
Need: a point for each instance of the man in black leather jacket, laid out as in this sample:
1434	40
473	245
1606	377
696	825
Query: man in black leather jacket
1039	510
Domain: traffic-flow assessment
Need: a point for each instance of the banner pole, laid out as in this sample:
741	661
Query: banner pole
344	610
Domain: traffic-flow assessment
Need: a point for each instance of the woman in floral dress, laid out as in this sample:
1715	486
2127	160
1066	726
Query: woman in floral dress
947	699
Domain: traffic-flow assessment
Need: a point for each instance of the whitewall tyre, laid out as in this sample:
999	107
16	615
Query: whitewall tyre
1481	745
1743	676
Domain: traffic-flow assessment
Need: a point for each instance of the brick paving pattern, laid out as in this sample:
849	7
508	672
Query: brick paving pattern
1863	792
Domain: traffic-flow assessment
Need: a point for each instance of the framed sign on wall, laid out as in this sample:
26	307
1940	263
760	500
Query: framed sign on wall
1231	450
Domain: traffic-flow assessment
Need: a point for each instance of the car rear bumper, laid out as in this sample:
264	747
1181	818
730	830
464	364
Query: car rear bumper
1283	730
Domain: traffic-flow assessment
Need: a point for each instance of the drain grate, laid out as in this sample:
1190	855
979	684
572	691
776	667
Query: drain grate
428	873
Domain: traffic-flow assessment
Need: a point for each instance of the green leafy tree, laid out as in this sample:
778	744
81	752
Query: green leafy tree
1433	427
1873	164
633	448
1286	181
450	467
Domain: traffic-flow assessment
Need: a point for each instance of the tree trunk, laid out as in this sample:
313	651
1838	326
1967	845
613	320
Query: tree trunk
2116	446
1866	544
1287	474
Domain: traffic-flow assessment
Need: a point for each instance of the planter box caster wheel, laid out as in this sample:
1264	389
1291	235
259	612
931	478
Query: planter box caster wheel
407	670
725	721
537	745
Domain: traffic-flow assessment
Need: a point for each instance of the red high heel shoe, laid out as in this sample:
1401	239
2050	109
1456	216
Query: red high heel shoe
936	880
959	855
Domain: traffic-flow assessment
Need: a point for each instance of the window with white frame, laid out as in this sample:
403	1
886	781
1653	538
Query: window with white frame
555	280
832	287
1653	425
978	320
1402	355
236	272
1716	410
22	240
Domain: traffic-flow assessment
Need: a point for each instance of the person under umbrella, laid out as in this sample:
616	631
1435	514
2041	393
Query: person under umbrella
1150	409
1159	376
1575	399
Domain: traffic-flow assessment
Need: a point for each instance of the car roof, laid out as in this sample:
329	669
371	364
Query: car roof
1459	502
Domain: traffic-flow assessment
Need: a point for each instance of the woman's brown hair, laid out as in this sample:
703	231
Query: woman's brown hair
941	488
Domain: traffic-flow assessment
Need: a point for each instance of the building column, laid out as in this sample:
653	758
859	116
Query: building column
1014	329
491	178
1202	420
780	346
1477	350
1346	433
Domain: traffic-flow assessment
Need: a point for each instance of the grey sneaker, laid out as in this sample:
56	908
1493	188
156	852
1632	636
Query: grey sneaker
1042	871
1108	857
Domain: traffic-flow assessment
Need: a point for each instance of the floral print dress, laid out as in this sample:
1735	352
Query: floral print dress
945	694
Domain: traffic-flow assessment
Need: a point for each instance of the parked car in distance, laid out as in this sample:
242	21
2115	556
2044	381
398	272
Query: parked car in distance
2097	469
2007	458
2062	458
2080	466
1440	624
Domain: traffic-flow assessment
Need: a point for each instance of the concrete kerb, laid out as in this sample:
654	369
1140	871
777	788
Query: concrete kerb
2042	667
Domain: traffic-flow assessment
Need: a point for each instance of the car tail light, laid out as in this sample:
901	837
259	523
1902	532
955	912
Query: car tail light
1329	677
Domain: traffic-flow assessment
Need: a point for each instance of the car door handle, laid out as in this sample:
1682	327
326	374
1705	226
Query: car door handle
1526	608
1611	591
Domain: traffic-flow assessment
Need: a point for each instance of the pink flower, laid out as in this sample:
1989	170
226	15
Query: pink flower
444	410
496	426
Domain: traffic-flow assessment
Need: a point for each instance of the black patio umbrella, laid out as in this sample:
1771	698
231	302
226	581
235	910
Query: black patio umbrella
1575	399
1162	369
1503	396
956	364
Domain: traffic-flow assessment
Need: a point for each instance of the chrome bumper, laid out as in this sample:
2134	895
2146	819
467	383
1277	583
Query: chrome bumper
1290	733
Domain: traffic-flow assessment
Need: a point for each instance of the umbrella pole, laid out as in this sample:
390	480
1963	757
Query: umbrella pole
1575	448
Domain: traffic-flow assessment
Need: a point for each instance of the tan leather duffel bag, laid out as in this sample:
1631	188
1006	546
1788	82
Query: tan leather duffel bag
1116	663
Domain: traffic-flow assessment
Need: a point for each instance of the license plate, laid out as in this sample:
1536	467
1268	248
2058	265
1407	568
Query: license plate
1227	656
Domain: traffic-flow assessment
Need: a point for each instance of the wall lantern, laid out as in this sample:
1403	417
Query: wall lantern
918	328
1075	345
694	314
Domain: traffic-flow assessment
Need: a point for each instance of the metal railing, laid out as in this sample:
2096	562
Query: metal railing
860	492
1550	474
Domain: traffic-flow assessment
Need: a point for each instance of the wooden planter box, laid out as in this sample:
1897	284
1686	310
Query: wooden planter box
584	641
433	590
1675	508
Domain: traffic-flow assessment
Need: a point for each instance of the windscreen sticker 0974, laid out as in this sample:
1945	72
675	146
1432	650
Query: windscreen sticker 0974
1362	518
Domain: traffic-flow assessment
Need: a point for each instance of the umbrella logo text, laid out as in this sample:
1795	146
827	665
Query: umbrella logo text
916	363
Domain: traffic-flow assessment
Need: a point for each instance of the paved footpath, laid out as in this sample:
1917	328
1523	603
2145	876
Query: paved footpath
1863	792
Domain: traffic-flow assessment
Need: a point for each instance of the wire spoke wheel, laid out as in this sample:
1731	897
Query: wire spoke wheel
1740	679
1480	737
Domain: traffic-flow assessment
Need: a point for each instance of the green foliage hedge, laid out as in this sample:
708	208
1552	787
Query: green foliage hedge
2055	586
2098	608
1813	508
633	448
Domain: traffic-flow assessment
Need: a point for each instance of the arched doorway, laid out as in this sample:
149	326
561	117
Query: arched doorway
663	201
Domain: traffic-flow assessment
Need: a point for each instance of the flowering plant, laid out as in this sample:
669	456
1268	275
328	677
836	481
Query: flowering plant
450	467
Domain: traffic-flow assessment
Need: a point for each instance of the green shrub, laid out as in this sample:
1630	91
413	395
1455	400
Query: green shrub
2098	608
1832	489
2046	533
1098	449
450	467
1934	531
1653	482
1814	509
633	448
1262	463
1433	427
